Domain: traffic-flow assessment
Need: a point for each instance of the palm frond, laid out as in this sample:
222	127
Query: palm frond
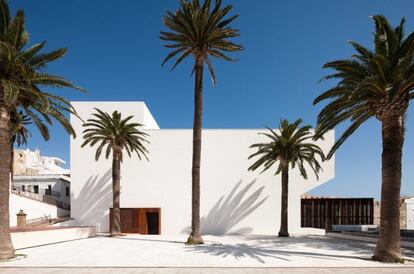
200	31
112	132
289	146
371	83
23	75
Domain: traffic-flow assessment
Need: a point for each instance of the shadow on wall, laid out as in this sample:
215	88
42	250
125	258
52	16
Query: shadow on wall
94	200
230	210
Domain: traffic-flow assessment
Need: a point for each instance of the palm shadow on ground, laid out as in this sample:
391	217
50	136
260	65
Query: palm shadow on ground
230	210
322	242
285	248
260	252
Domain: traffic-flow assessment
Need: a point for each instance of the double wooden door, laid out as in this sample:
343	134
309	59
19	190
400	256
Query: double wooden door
140	220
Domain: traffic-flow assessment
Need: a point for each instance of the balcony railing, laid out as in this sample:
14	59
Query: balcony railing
47	219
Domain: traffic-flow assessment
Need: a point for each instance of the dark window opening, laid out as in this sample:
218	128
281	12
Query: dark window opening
67	191
153	223
49	190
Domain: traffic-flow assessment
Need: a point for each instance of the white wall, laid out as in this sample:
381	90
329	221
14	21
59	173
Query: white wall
233	200
138	109
33	209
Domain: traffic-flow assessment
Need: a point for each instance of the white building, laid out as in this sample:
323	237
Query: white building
41	177
27	162
156	195
51	186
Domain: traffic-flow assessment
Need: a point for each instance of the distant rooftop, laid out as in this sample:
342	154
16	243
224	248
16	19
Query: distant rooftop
28	162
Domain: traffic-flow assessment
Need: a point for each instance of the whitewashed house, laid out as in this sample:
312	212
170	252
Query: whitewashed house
41	177
156	195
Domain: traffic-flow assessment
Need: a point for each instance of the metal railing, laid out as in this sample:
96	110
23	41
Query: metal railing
40	197
47	219
407	234
41	191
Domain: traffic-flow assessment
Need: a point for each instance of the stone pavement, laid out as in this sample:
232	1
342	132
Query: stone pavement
132	270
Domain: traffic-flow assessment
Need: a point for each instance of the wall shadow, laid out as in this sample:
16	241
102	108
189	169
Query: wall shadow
93	201
230	210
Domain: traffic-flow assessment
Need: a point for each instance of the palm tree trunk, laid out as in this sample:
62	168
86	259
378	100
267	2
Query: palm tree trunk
388	246
283	232
6	246
116	189
195	236
11	161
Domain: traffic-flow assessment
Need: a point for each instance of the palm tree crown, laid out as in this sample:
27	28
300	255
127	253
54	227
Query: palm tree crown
288	146
22	74
19	131
114	133
375	83
200	31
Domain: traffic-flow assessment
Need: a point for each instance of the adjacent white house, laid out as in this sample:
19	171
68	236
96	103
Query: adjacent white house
156	195
41	177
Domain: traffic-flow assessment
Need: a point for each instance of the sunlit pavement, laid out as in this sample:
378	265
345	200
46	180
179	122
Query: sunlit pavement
237	254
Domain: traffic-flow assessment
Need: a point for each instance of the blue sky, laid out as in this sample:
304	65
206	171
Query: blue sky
114	52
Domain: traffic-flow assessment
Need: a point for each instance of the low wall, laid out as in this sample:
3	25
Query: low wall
30	237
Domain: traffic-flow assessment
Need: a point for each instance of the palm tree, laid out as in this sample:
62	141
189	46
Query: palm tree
22	77
200	32
19	131
376	83
289	146
19	134
114	134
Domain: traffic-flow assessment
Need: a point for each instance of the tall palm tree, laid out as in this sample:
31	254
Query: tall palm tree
376	83
22	77
114	134
291	146
201	32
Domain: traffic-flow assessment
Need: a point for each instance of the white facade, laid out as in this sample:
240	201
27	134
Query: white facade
233	200
36	174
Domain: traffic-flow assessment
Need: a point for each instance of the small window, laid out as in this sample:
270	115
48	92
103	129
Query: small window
67	191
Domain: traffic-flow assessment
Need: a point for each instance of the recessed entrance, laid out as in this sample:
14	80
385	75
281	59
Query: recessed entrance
153	220
140	220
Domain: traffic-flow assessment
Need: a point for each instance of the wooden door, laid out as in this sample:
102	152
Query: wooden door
140	220
128	220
